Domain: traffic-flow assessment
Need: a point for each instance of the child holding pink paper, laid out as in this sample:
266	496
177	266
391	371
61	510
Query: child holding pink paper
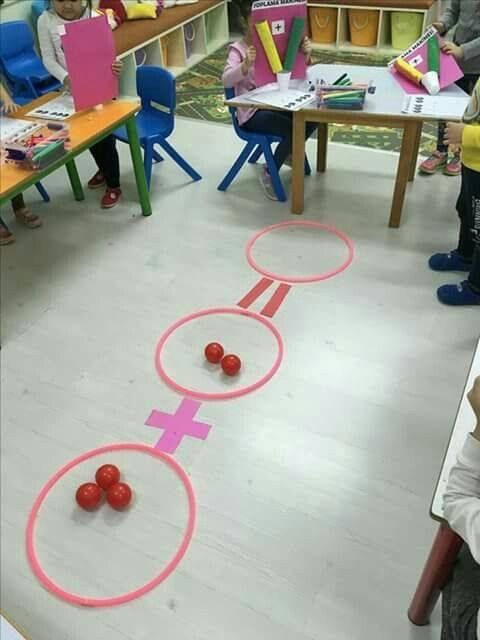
239	74
464	15
50	25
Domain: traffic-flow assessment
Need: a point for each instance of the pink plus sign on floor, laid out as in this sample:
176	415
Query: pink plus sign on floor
178	425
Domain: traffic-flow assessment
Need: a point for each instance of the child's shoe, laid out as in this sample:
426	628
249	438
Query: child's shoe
453	166
458	294
97	181
266	182
28	218
6	237
452	261
436	161
111	198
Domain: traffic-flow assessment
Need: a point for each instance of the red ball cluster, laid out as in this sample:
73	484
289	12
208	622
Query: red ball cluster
107	479
231	364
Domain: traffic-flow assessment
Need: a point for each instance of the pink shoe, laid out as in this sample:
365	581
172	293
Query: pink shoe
431	165
453	166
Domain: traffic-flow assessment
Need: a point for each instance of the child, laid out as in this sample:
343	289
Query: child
467	255
239	73
21	211
461	597
465	15
104	152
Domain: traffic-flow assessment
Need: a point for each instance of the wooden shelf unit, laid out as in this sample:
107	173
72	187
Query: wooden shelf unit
169	49
384	35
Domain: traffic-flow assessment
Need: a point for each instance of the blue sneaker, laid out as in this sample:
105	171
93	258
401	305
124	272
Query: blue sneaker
452	261
458	294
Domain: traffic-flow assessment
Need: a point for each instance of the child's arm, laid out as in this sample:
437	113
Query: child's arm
237	68
47	49
462	497
449	18
8	105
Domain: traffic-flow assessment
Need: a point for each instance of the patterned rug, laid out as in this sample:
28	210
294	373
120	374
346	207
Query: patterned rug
200	96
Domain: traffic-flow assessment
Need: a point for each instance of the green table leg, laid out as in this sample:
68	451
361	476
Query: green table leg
137	161
75	180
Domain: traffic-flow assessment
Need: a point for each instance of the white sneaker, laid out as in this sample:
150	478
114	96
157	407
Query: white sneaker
266	182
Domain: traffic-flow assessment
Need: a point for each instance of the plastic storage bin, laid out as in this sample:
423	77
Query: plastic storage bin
406	28
363	26
323	24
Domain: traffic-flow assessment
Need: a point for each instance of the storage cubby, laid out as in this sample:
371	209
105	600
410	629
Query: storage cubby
178	48
216	28
426	10
195	41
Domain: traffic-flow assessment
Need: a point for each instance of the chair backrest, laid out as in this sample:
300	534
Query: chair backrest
158	86
38	7
229	95
16	40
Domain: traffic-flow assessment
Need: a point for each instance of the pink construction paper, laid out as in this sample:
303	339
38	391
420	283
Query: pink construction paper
281	10
90	52
450	72
178	425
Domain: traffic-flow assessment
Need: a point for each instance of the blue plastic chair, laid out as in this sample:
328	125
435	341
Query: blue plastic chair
38	7
257	144
156	119
42	191
26	76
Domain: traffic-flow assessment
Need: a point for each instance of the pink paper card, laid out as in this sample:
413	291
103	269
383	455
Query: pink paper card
280	15
90	52
417	55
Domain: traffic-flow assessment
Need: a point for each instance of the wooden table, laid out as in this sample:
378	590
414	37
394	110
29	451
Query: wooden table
384	109
86	128
447	543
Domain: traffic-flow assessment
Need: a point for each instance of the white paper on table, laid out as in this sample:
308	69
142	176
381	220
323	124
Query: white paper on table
13	128
60	108
443	107
292	99
7	632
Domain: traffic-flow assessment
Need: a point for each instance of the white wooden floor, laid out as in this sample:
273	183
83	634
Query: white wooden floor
313	493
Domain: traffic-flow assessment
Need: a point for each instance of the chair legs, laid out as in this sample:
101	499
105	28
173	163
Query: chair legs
157	157
183	164
148	152
256	155
274	173
237	165
43	192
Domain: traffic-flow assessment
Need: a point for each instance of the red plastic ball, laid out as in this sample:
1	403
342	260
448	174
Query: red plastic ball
231	365
107	475
88	496
119	496
214	352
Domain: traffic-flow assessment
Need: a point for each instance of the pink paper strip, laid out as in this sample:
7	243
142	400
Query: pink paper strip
254	293
178	425
280	15
271	308
450	72
90	52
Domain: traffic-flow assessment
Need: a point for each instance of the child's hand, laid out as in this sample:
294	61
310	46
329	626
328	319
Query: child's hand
453	50
307	47
66	84
454	133
440	27
9	105
249	61
474	399
117	67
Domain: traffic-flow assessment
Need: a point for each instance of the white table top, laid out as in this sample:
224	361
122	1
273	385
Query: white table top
7	632
464	424
388	98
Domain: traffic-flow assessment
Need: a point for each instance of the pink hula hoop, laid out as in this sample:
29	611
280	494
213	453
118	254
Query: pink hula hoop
300	279
227	395
76	599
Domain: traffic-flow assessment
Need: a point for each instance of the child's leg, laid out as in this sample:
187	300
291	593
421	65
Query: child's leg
461	600
6	237
23	213
108	163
